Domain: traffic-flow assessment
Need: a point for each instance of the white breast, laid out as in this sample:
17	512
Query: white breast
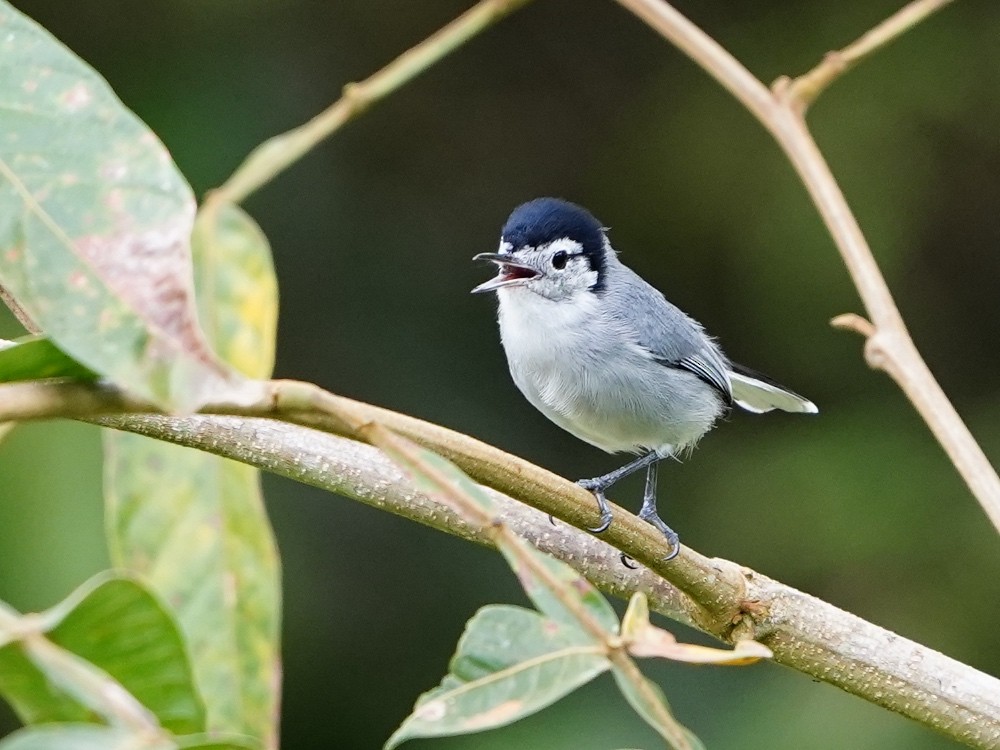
591	378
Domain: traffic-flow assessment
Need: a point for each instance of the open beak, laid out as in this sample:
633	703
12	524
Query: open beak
511	273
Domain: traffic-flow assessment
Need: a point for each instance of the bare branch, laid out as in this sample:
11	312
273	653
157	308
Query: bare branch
807	87
278	153
890	347
362	472
854	322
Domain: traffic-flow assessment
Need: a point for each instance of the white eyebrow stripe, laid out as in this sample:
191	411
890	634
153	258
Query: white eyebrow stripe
565	244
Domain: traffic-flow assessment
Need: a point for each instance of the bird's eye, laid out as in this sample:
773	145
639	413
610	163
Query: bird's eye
559	260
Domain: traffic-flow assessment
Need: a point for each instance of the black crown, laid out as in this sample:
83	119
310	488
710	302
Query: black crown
544	220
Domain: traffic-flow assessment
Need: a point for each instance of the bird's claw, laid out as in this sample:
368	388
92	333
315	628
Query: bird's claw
651	517
606	518
625	561
597	489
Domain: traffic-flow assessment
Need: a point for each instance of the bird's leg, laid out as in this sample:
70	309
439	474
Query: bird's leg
599	485
648	512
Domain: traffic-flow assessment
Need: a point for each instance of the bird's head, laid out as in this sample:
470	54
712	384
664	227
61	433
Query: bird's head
552	248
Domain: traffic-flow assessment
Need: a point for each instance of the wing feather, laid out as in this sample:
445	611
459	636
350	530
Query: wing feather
708	371
758	393
672	337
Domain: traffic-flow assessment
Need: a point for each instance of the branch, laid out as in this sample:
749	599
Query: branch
305	404
276	154
363	473
719	597
807	87
780	111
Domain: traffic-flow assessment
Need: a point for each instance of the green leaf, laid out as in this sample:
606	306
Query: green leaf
237	291
117	626
35	358
215	742
95	737
651	704
122	628
194	526
571	584
95	225
33	696
510	663
81	737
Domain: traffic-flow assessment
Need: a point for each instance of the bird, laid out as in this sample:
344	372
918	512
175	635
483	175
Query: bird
605	356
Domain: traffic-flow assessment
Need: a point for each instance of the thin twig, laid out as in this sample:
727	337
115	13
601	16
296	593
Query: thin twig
807	87
890	347
276	154
853	322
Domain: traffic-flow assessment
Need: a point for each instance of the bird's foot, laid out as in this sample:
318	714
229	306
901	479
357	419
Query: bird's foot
593	485
650	516
606	518
597	489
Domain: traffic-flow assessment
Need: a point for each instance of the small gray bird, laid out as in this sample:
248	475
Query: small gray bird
603	355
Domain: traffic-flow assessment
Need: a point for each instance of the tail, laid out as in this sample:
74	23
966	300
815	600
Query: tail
758	393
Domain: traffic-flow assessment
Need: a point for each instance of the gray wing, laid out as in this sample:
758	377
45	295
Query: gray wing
673	338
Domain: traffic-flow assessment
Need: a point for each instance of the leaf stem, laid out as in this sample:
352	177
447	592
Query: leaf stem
96	688
664	722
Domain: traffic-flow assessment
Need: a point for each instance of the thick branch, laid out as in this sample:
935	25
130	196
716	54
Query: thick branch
805	633
307	405
890	348
717	596
364	473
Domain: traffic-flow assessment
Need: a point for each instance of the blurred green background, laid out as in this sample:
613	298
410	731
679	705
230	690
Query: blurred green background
372	236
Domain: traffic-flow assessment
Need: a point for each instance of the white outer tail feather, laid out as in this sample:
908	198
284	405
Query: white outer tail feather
758	396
